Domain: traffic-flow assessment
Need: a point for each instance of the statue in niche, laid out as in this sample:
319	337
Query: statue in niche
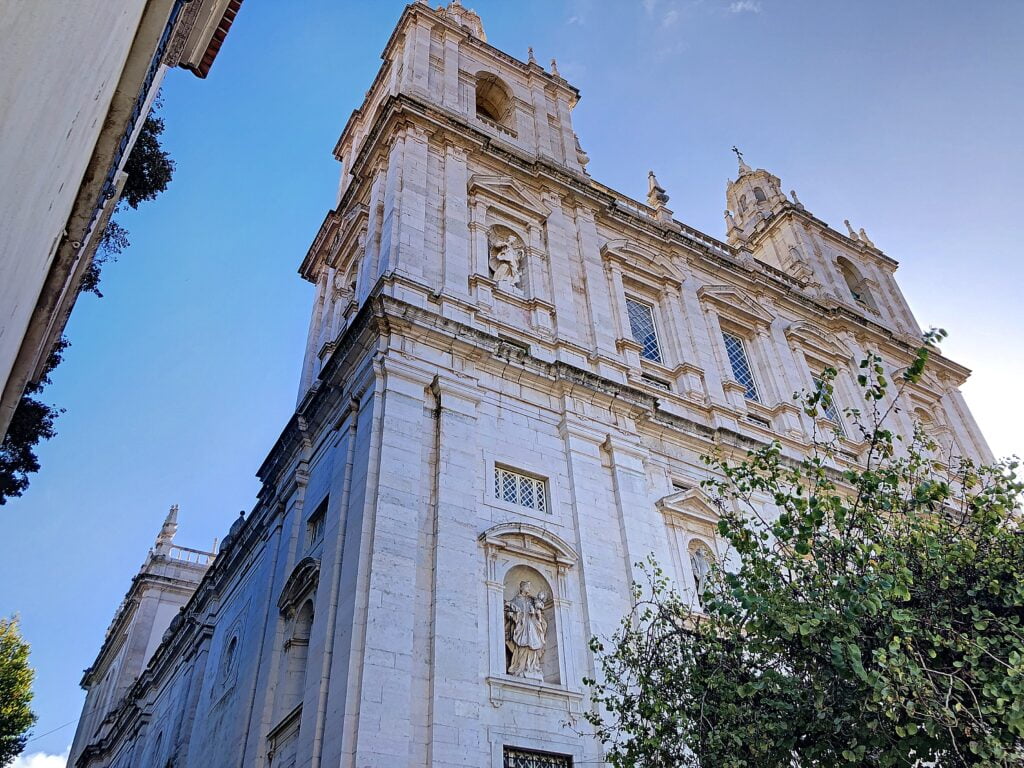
526	630
506	262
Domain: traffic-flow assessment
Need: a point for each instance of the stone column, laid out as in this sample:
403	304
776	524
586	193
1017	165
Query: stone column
457	569
456	256
450	76
390	220
377	614
602	313
412	208
561	243
642	527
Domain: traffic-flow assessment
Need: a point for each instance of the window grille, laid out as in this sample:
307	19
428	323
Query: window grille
316	524
641	325
528	758
740	366
828	407
520	490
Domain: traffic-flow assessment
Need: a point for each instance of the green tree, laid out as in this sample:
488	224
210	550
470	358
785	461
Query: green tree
872	617
15	691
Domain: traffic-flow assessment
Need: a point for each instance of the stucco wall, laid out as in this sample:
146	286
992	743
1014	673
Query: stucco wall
61	63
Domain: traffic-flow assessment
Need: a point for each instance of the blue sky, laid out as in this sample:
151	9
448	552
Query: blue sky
904	117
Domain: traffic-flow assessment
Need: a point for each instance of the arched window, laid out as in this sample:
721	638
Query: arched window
858	288
493	99
297	656
759	195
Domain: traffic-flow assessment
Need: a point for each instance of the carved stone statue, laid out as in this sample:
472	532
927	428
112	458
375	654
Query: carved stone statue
526	630
506	262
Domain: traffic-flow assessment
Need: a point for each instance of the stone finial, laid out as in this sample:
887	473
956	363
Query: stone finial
730	221
864	238
467	18
744	168
165	538
554	68
656	195
796	200
581	155
853	235
530	58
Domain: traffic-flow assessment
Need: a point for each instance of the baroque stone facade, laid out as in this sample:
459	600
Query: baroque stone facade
511	373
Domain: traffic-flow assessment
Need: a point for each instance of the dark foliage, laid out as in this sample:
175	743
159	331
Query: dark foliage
32	422
150	169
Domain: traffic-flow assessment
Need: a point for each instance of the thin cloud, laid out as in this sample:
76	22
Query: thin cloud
649	6
670	18
41	760
745	6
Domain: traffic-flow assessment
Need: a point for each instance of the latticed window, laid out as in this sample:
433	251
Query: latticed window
528	758
740	366
641	325
521	490
829	409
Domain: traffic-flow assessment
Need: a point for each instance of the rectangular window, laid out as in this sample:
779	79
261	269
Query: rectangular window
740	366
521	490
641	325
528	758
315	525
828	408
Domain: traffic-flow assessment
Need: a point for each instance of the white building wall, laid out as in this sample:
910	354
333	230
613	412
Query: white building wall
72	54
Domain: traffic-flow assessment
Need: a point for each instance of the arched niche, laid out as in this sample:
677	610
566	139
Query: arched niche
517	553
296	652
692	522
524	584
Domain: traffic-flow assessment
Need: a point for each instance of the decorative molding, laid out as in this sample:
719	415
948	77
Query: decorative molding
302	582
510	192
733	303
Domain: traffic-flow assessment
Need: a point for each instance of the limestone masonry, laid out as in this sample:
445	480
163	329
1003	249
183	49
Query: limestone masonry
511	373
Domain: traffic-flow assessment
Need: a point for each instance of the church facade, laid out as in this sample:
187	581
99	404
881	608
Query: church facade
511	374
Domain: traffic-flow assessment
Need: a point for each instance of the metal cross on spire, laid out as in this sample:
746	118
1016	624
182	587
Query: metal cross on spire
739	155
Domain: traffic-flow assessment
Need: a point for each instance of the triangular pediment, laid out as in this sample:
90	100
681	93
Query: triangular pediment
735	302
507	190
691	502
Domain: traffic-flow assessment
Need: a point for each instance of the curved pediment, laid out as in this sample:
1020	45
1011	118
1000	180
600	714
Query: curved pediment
814	339
302	582
530	541
632	254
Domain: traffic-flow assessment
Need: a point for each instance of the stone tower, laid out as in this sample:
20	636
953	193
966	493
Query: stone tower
511	373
